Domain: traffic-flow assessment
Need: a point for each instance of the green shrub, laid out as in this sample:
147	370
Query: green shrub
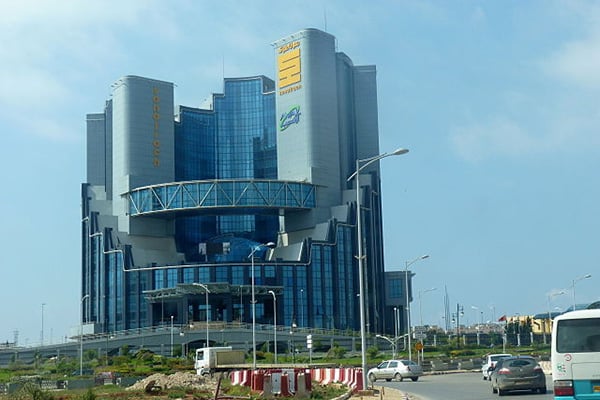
32	391
177	393
88	395
462	353
372	351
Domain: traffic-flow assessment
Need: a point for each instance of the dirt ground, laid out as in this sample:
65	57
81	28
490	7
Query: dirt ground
209	385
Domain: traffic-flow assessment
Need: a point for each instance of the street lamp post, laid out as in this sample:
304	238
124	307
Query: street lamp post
42	333
475	326
81	335
395	322
361	300
274	323
171	336
408	264
573	287
493	308
251	256
550	296
475	312
421	318
206	292
301	322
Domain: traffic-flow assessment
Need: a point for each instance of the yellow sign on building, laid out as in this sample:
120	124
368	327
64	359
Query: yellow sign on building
289	65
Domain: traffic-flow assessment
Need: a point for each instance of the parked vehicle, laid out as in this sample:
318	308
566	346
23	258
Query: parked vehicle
211	359
517	373
395	369
576	354
490	362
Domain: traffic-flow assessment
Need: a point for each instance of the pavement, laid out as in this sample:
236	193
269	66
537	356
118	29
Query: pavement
386	393
382	393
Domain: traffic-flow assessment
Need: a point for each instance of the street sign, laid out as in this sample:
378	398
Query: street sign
419	346
420	336
309	341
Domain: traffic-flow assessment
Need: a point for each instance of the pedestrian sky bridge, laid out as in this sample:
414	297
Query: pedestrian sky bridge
235	196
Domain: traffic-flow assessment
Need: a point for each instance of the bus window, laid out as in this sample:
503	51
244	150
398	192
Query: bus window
576	335
593	343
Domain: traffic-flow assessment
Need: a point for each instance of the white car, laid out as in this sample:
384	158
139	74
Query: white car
395	369
490	362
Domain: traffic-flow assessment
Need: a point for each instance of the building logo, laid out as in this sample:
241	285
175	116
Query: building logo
288	68
155	130
289	118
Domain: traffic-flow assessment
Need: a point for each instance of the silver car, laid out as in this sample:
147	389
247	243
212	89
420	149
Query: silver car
395	369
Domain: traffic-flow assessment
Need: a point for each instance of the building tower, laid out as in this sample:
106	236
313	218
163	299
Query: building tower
176	202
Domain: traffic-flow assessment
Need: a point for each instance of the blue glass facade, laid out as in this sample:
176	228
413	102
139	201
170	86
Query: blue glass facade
235	140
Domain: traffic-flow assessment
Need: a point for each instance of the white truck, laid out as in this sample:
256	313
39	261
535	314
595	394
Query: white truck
211	359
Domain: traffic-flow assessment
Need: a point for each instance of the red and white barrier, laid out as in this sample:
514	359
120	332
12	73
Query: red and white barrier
240	378
337	375
358	381
328	376
352	377
316	374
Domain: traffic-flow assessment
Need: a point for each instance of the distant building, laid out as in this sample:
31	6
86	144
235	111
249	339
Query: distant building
179	201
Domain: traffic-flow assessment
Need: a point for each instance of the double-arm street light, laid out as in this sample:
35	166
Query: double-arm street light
251	257
573	287
408	264
393	342
274	323
360	165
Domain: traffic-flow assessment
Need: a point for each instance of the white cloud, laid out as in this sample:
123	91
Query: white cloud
577	62
53	49
565	131
554	110
478	15
497	136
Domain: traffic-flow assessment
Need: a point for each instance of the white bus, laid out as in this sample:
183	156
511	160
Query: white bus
576	355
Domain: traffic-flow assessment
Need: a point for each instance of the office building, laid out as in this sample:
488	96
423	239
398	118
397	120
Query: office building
180	203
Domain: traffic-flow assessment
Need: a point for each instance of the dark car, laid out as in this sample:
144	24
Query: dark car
517	373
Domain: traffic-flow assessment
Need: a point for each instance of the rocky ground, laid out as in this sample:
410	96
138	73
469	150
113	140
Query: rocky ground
176	380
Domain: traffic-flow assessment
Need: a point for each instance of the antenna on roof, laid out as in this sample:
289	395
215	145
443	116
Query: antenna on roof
325	18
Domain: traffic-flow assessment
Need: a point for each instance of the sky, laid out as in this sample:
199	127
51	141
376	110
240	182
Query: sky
496	101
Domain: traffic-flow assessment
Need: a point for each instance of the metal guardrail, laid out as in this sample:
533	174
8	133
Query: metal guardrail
215	326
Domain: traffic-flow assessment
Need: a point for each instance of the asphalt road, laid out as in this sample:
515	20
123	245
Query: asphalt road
459	386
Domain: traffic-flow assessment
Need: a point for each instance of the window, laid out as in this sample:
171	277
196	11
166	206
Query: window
395	288
578	335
